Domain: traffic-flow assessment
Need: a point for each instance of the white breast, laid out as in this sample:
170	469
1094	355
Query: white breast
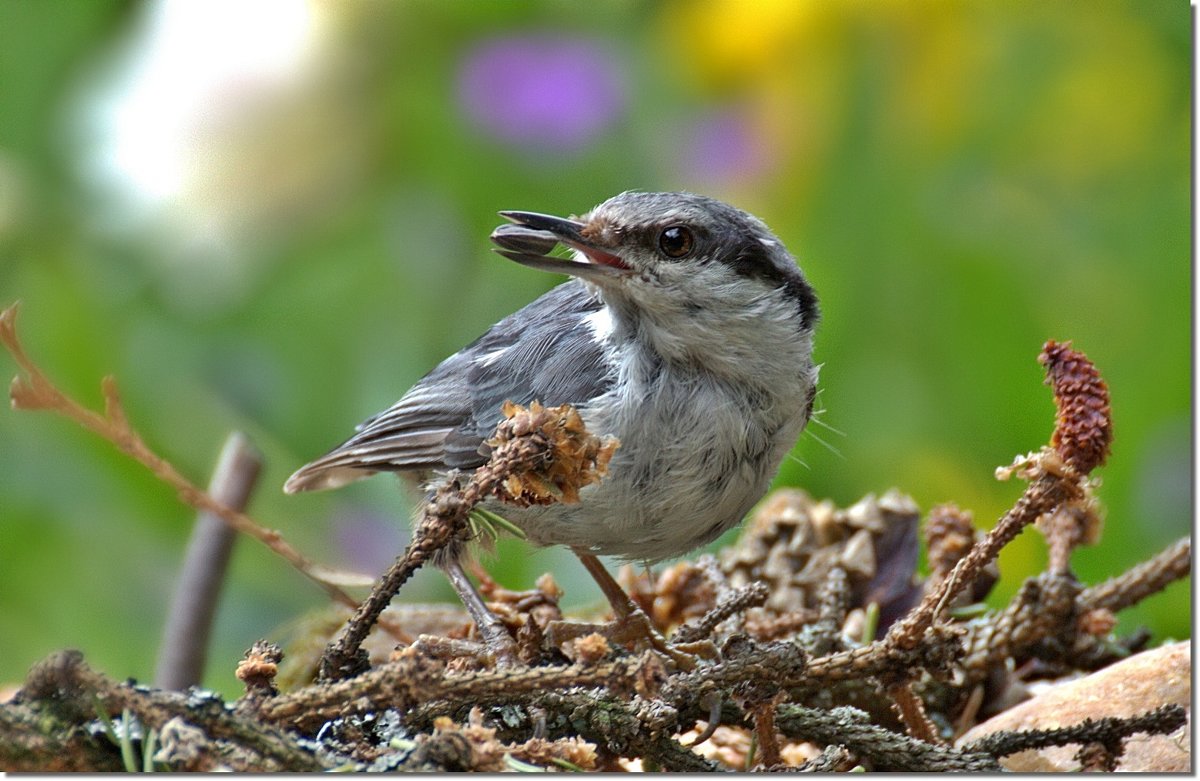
695	455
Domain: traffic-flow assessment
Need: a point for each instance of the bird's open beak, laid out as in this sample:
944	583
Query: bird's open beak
532	236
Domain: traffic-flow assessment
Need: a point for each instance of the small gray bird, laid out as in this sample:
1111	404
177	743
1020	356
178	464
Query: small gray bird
686	333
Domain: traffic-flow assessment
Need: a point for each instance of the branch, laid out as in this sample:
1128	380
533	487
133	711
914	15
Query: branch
416	678
1149	577
189	618
35	391
1110	731
204	735
884	749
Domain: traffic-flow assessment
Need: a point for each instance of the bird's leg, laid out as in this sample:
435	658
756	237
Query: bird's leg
622	604
495	636
630	622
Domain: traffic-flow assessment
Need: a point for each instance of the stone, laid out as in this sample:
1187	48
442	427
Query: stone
1141	683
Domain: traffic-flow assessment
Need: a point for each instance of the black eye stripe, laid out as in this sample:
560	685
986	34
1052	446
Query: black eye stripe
753	261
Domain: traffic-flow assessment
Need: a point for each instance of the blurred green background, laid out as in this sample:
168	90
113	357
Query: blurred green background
273	217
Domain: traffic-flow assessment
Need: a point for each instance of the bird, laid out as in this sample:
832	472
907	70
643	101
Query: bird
685	331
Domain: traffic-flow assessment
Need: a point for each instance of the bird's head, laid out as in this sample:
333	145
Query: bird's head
690	266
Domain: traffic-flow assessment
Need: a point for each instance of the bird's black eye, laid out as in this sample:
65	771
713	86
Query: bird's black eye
676	242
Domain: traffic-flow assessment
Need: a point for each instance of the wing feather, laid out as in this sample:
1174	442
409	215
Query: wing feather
546	351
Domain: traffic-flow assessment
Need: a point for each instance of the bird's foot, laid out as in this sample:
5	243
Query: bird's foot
495	636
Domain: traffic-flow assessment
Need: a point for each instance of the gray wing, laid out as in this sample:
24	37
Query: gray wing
547	351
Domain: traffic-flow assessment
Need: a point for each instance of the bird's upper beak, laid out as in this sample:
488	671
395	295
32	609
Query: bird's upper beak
532	236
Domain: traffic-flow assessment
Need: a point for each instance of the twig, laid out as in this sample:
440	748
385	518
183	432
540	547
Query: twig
1149	577
445	519
36	392
622	730
757	670
1112	731
1038	611
738	600
1096	758
884	749
1041	496
768	739
833	602
27	746
912	712
419	685
184	645
831	760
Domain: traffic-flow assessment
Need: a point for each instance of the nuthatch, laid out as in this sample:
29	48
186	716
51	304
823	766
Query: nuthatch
686	333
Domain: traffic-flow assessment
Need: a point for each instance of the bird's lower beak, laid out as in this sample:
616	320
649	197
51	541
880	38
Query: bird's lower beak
532	236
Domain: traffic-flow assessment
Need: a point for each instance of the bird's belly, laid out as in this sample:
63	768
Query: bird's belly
687	479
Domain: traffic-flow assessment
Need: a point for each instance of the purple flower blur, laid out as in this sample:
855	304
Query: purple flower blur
724	147
369	542
538	91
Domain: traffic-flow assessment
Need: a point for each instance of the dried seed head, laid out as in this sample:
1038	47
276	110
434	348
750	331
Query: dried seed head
258	668
589	649
1098	622
542	752
949	534
1083	429
683	591
547	454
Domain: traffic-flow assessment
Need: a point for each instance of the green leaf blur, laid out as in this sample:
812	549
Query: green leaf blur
960	182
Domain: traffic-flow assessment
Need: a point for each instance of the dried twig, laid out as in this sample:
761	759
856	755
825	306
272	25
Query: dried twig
912	712
831	760
35	391
764	729
735	602
1149	577
824	635
1042	496
1111	732
415	679
1036	613
623	730
27	746
882	748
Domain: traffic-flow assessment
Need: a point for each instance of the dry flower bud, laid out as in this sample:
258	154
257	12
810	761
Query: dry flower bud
1083	429
590	649
548	454
259	667
949	534
683	591
1098	622
538	751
